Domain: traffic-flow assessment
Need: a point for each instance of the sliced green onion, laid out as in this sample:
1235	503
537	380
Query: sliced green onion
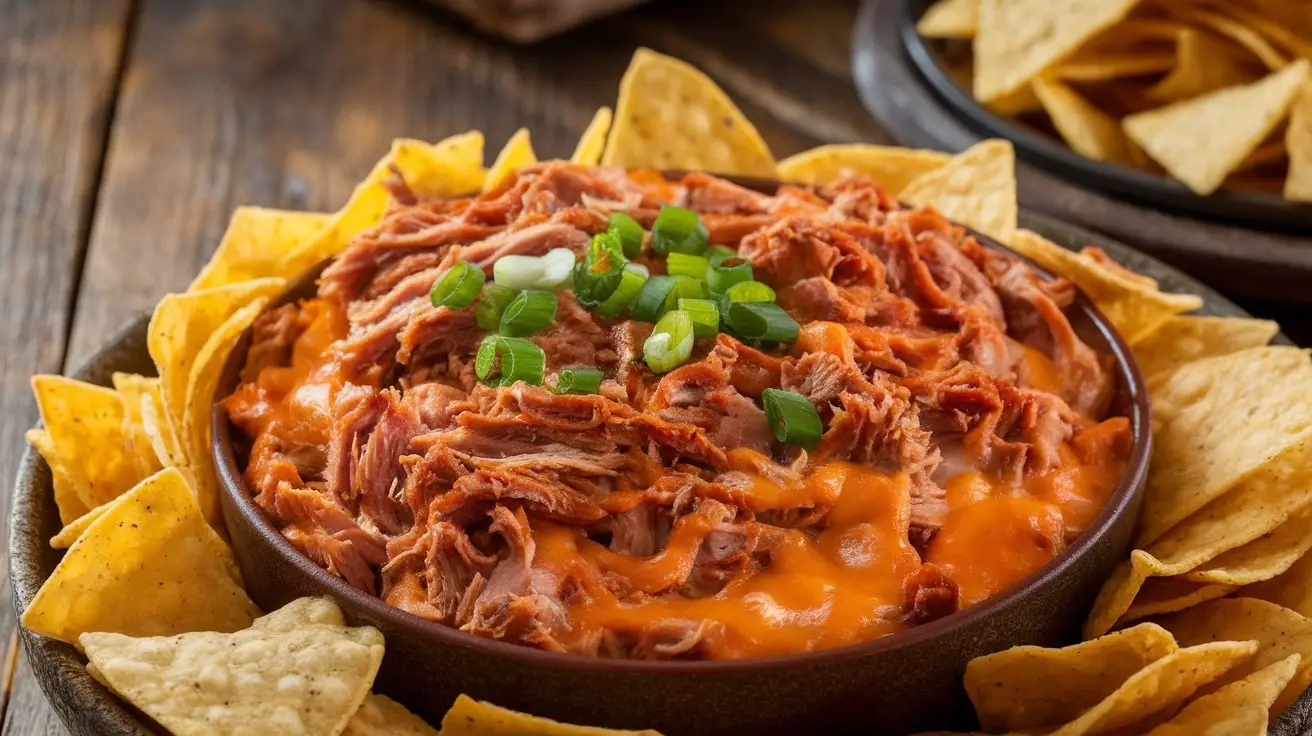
761	321
750	291
629	232
502	361
682	264
678	230
528	313
598	274
722	276
688	288
457	286
649	305
491	304
518	272
717	253
631	281
578	381
670	343
557	269
705	316
792	418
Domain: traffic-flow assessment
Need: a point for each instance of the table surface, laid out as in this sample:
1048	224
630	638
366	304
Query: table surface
130	129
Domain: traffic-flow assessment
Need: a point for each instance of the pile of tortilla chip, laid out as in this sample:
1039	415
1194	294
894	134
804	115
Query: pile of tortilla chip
1214	93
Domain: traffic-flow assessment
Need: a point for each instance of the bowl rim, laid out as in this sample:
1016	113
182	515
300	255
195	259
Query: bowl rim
237	495
1231	206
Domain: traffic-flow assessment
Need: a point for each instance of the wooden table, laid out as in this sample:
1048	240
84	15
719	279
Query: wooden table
130	129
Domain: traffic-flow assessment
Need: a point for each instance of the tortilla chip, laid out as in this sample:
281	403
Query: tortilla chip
1261	559
1218	421
448	168
1240	33
163	435
1203	140
1279	632
1160	687
1298	143
1182	340
1132	304
1168	595
131	389
255	243
1018	39
1036	687
1089	131
150	565
79	416
469	717
1202	64
1103	66
593	141
74	529
305	680
890	167
672	116
950	19
976	188
379	715
67	499
517	153
1238	709
1291	588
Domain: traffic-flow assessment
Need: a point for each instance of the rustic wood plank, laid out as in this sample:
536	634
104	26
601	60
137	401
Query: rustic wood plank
58	65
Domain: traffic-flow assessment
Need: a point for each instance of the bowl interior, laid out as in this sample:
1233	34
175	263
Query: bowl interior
1250	209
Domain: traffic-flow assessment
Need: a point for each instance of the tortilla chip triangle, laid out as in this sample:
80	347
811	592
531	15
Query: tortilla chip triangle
255	243
889	167
1238	709
67	499
150	565
78	416
593	141
1182	340
1203	140
1202	64
517	153
976	188
1088	130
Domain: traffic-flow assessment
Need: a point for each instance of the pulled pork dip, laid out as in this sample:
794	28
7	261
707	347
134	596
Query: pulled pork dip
605	413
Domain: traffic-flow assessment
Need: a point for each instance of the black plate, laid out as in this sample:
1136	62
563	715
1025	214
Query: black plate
1249	209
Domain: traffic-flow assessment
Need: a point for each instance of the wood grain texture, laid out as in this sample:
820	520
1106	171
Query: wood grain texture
58	63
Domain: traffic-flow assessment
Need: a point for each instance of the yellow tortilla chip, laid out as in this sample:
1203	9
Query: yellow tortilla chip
150	565
131	389
1202	64
1203	140
307	679
1088	130
517	153
976	188
1298	142
379	715
1168	595
67	499
1133	305
1218	422
469	717
672	116
1105	65
1182	340
255	244
79	416
1019	39
593	142
1279	632
1026	688
1238	709
74	529
1160	687
1261	559
448	168
890	167
950	19
1291	588
162	433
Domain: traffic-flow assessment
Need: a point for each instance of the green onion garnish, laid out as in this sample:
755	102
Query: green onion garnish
705	316
598	274
793	419
682	264
761	321
528	313
724	274
678	230
557	269
717	253
502	361
457	286
491	304
688	288
629	232
518	272
649	305
631	281
670	343
750	291
578	381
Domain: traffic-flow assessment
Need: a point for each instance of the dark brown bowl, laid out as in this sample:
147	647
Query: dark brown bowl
902	683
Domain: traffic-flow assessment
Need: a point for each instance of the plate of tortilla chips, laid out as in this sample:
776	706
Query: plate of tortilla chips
1201	106
136	620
